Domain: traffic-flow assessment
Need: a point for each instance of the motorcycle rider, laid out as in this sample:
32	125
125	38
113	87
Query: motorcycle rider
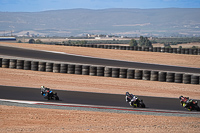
130	98
186	100
45	90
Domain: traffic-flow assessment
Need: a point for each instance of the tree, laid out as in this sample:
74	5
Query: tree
38	41
133	42
31	41
19	41
144	41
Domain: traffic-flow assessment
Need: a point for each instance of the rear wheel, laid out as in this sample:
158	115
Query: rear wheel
56	98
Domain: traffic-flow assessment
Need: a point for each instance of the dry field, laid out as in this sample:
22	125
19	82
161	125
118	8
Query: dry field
25	119
186	45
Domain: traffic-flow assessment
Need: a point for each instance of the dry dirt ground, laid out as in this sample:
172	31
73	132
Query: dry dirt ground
25	119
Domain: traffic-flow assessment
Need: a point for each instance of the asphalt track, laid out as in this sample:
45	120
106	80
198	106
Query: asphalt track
19	52
88	98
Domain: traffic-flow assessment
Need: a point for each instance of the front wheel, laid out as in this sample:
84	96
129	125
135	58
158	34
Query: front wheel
141	105
55	97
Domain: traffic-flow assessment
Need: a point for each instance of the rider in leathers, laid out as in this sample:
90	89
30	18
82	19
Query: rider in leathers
186	100
45	90
130	98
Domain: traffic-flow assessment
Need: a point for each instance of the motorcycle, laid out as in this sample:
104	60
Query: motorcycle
50	95
192	104
138	103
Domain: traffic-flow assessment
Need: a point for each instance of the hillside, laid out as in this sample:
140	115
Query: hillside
129	22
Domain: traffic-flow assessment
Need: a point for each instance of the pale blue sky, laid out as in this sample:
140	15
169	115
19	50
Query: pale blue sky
43	5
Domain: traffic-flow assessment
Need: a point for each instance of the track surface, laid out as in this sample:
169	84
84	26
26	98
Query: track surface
19	52
74	97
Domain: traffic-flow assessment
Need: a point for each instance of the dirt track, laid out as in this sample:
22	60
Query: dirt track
20	119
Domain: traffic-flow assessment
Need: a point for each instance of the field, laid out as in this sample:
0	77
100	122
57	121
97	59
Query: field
25	119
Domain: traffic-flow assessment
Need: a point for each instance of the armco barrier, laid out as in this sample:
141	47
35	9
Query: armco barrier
138	48
106	71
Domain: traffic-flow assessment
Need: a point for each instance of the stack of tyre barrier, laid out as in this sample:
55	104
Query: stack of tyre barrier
137	48
106	71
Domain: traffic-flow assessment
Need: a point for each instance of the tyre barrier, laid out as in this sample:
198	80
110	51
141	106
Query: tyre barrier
170	77
85	70
63	68
71	69
138	74
49	67
146	75
34	65
123	73
178	77
147	49
93	71
5	63
78	69
115	72
162	50
100	70
0	62
186	78
174	50
130	73
194	79
179	51
56	68
158	49
27	65
20	64
42	66
162	76
170	50
154	76
166	50
182	51
186	51
13	63
106	71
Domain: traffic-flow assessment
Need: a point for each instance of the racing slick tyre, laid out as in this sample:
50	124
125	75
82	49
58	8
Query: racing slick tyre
56	98
141	105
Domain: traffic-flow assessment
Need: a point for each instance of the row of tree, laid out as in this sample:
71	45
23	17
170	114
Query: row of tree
143	41
38	41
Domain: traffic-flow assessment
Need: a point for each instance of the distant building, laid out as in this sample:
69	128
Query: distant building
7	39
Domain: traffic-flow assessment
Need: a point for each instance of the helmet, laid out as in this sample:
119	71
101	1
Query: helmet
42	87
180	97
127	94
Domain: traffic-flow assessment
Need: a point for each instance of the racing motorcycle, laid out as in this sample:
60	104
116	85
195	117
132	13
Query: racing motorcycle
138	103
50	95
189	104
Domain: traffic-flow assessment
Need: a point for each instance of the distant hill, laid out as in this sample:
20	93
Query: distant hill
127	22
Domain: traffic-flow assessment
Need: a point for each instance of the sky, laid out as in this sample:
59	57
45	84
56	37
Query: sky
43	5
